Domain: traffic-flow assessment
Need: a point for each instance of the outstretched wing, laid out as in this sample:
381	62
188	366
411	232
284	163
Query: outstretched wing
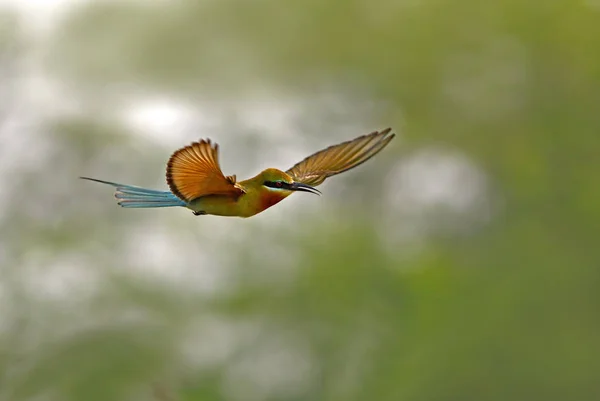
336	159
194	171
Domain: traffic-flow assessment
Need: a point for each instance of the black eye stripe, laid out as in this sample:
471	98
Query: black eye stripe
276	184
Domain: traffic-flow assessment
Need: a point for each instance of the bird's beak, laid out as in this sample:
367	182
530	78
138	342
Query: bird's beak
298	186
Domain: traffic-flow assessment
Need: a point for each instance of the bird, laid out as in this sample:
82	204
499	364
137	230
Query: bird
196	181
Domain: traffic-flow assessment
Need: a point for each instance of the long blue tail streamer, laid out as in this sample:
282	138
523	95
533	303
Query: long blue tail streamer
130	196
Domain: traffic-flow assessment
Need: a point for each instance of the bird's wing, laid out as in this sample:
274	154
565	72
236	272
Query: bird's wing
193	171
336	159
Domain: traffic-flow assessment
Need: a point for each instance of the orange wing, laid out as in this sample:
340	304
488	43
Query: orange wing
194	171
336	159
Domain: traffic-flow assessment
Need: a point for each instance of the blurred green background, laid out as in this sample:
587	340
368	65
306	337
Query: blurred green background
459	264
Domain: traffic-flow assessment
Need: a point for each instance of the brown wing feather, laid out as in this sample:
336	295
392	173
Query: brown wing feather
194	171
336	159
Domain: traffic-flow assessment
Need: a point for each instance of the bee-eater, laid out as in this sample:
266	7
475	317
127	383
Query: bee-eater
197	183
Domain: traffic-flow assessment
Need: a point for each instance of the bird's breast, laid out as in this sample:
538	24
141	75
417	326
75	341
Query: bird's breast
270	198
254	202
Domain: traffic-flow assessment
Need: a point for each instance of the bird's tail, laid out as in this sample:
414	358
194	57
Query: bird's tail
135	197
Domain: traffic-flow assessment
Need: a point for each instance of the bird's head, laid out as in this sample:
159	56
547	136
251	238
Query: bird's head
279	182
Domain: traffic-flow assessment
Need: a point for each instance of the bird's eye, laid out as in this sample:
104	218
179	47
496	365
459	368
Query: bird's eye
279	184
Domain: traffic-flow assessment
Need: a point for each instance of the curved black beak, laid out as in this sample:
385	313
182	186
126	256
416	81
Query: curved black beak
298	186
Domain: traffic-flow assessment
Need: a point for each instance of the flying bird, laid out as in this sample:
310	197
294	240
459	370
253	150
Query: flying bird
196	181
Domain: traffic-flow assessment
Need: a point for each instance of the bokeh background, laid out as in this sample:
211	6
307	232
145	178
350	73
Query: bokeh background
462	263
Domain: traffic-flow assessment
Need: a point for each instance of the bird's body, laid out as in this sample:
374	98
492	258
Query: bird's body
197	183
252	200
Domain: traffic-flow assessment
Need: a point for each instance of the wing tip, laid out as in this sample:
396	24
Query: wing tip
385	132
388	134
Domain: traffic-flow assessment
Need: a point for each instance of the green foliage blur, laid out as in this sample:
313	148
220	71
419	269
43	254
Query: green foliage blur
328	298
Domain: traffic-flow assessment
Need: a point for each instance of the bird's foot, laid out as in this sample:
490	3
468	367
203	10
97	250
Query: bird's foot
199	213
